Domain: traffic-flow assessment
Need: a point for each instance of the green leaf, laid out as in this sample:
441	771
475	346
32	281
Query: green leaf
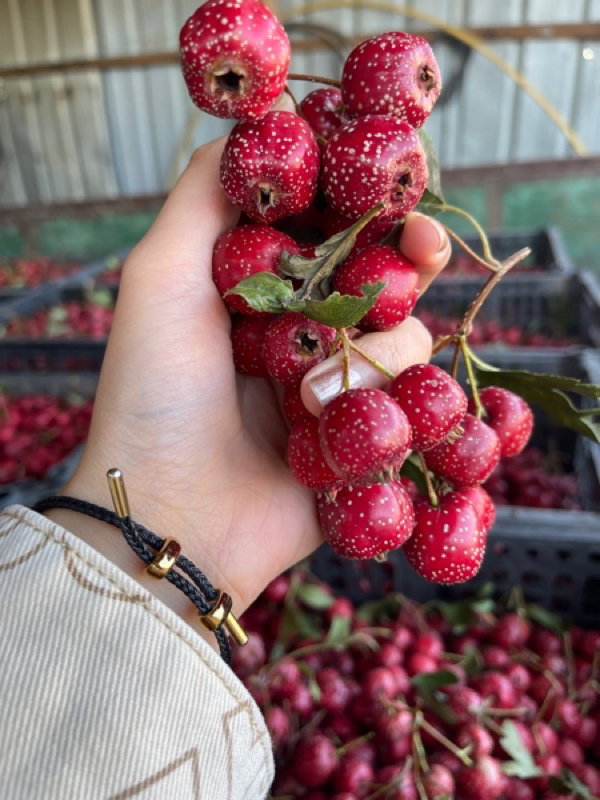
295	623
412	469
545	618
434	184
547	392
101	297
430	204
428	685
522	764
327	255
568	783
462	613
339	630
377	610
314	596
264	291
340	310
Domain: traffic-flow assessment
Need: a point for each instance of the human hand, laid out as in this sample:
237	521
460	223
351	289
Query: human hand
202	449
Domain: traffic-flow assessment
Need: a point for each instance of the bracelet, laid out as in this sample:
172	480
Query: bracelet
160	556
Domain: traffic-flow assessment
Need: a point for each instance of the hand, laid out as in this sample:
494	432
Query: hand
202	449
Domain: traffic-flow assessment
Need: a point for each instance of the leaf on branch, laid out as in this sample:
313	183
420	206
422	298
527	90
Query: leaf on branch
463	613
412	469
340	310
428	685
327	255
264	291
545	618
568	783
339	630
547	392
522	764
434	184
378	610
430	204
314	596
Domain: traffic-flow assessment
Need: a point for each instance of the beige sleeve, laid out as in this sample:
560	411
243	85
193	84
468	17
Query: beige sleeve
106	693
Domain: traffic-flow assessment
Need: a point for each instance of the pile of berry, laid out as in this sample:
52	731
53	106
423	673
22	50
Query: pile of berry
528	480
399	701
38	431
31	273
88	319
355	155
491	332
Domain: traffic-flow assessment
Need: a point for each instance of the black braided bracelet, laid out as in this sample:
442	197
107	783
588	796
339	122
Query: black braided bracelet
214	606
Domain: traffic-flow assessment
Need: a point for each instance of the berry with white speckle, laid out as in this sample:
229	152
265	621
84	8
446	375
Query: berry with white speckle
235	57
448	542
396	300
433	402
365	521
270	167
244	251
469	459
364	433
306	459
323	110
293	344
371	160
509	416
247	339
392	73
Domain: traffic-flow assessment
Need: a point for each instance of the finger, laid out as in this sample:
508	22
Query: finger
425	242
408	343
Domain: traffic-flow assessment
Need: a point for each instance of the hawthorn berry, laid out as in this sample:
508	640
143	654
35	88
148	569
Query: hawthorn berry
468	459
306	459
509	416
270	167
373	160
433	402
324	111
396	300
247	337
392	73
293	344
235	56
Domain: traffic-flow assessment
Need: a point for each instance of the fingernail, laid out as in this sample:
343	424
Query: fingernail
441	234
325	382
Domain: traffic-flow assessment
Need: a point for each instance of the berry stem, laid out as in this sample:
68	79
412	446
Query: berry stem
433	498
314	79
455	359
460	754
493	267
490	262
346	348
373	362
479	410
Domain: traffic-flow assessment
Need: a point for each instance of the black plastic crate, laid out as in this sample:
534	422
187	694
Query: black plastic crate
553	554
27	492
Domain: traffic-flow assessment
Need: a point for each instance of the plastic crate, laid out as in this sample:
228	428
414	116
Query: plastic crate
548	297
28	492
553	555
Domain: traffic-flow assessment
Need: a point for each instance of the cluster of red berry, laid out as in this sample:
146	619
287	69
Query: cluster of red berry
360	145
461	700
491	332
31	273
87	319
38	431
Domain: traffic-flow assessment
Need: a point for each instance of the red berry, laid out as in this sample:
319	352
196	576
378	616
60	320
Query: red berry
249	659
519	676
465	704
430	644
278	724
364	521
293	344
301	702
433	402
518	789
374	160
247	337
400	782
392	73
438	782
234	57
483	781
396	300
306	459
364	433
497	688
419	663
587	733
276	591
494	657
284	677
294	409
270	168
324	111
244	251
334	691
374	231
509	416
470	458
447	544
545	738
353	776
476	737
589	776
510	631
395	725
570	753
315	760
